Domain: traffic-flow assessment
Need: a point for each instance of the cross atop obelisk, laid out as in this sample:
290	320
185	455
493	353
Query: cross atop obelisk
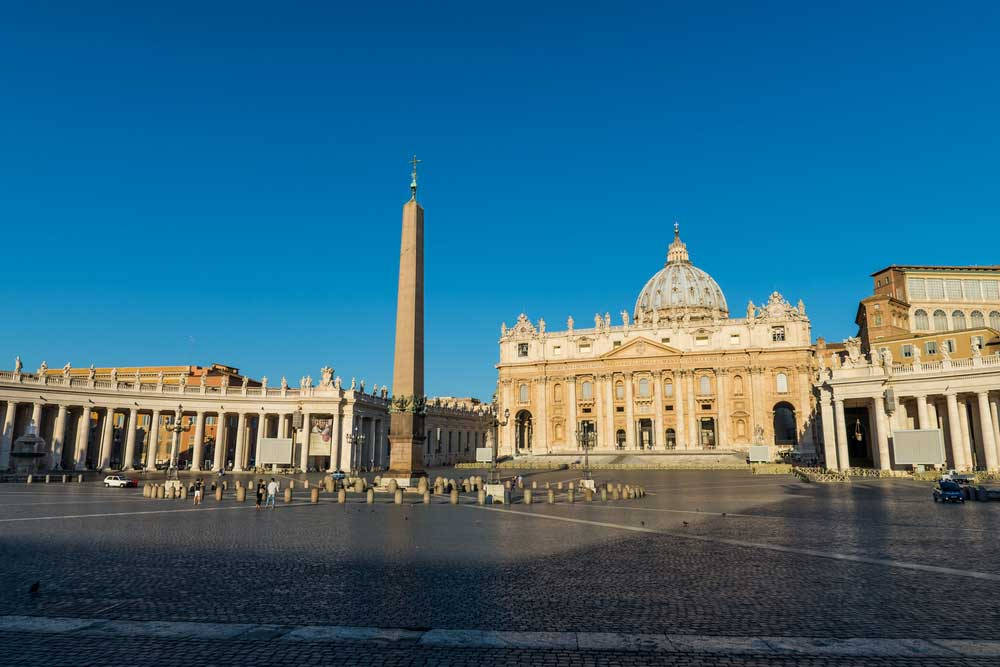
406	426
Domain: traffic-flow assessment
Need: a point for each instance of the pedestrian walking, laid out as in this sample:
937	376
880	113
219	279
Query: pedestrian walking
272	491
198	488
260	492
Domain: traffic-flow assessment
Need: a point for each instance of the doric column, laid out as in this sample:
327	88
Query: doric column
722	431
154	440
335	442
58	437
955	431
882	434
692	417
261	434
199	440
631	442
658	434
986	427
843	459
346	432
679	398
964	426
571	420
995	418
7	436
107	433
304	451
219	455
241	437
829	436
127	458
922	415
82	438
36	418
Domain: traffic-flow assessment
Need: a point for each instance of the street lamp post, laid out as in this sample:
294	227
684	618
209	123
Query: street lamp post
494	476
177	428
357	440
588	440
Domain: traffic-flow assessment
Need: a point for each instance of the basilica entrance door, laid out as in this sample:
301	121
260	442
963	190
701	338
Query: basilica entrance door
707	436
645	434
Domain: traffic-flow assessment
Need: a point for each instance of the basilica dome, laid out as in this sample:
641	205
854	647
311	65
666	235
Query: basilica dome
680	289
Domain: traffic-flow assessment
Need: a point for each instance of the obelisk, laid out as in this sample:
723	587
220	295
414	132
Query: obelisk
406	427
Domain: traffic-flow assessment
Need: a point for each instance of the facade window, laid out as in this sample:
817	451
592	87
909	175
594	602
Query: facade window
995	319
644	388
734	339
940	321
701	340
977	319
907	351
616	343
957	320
931	347
741	428
777	334
587	390
977	341
522	349
704	385
935	288
991	290
664	340
557	393
953	288
915	286
671	438
620	391
557	351
878	319
584	348
781	383
738	385
559	431
950	345
668	388
522	393
920	320
706	406
972	290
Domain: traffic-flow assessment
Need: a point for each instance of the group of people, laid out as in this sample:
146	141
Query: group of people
271	489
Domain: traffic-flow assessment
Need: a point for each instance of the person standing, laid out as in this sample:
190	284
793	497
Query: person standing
260	492
198	489
272	491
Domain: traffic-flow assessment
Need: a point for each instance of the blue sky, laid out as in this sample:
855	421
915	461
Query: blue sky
202	182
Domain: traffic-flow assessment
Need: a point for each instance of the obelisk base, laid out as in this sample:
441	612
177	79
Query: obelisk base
406	449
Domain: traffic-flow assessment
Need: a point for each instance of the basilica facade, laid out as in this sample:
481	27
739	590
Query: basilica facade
676	373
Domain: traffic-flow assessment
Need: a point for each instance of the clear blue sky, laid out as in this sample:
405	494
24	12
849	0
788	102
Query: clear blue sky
202	182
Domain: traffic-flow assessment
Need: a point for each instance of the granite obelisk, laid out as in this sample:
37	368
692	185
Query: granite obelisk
406	427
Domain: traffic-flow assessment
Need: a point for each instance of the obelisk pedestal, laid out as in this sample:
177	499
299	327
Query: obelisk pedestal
406	427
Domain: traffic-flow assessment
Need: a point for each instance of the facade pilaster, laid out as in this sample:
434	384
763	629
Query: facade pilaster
130	428
571	425
199	441
605	437
58	437
829	434
679	397
239	464
722	401
542	429
692	415
843	458
986	427
631	442
659	434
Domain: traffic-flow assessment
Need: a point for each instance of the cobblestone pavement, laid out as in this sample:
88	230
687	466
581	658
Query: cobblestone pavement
776	564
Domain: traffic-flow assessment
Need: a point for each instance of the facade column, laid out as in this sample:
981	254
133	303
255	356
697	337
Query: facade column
346	432
283	426
107	433
659	435
829	434
199	441
692	417
843	458
679	397
154	440
58	437
955	431
571	420
219	455
606	414
964	427
261	434
7	437
82	438
986	426
722	428
882	434
335	443
631	442
36	418
127	458
994	409
306	432
922	415
241	437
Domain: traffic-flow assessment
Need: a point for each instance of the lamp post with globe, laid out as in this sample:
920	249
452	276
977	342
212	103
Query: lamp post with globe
177	427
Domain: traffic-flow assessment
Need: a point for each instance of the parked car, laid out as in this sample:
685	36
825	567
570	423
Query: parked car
948	491
338	475
119	481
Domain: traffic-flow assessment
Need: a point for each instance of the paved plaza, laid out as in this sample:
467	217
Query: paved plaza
708	567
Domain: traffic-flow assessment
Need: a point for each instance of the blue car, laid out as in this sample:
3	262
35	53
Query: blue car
948	491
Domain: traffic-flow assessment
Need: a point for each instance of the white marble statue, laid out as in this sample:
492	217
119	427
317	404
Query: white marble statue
17	364
43	369
624	318
66	370
541	325
569	323
114	375
284	382
326	376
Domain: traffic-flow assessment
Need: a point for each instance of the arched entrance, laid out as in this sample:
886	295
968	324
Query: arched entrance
671	439
784	424
522	429
620	438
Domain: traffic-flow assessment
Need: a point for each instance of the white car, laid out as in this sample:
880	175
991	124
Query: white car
119	481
